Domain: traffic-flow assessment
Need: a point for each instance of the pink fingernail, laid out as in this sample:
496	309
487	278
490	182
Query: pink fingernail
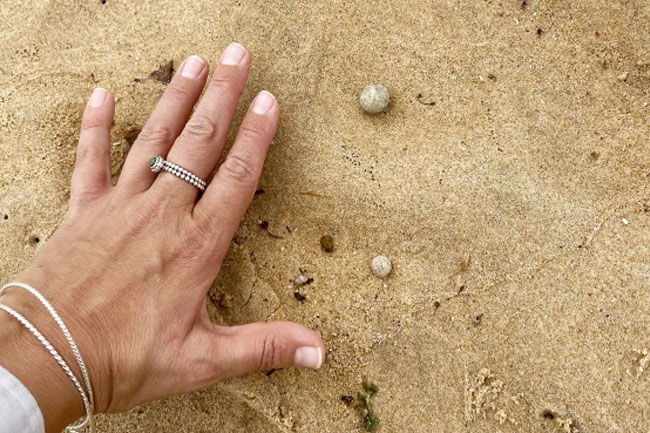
233	54
263	102
192	67
98	97
308	356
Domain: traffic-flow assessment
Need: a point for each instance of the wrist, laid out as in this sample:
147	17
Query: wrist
82	318
25	357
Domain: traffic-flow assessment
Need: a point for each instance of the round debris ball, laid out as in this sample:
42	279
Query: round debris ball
374	99
381	266
327	243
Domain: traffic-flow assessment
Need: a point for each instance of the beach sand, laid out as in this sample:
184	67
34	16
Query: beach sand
508	181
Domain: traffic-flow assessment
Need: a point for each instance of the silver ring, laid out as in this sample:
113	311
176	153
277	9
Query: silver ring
158	163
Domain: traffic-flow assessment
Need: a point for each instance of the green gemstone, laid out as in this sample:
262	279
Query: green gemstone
152	161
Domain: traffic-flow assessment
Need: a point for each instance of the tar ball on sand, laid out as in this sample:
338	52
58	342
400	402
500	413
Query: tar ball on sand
381	266
374	99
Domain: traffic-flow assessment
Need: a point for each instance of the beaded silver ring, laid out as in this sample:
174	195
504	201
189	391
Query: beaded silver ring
158	163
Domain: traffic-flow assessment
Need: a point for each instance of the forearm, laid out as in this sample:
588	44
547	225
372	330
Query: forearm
24	356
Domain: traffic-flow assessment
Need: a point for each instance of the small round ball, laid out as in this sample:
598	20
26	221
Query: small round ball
381	266
327	243
374	99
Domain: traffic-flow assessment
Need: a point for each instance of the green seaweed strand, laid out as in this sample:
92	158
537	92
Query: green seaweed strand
370	421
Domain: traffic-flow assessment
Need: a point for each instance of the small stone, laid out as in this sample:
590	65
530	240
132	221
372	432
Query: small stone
374	99
622	76
381	266
327	243
152	161
301	280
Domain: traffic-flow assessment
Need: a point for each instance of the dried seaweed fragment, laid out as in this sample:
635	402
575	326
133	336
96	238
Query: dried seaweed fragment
164	73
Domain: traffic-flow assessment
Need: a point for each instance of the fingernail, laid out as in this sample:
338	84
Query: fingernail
233	54
98	97
192	67
310	357
263	102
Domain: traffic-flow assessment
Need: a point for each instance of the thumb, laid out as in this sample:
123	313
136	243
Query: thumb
263	346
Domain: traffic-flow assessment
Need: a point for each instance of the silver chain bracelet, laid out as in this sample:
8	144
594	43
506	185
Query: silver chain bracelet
85	393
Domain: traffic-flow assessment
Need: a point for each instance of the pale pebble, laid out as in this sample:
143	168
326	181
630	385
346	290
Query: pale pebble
374	99
381	266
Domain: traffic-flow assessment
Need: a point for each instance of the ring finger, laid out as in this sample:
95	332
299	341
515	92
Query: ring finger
199	146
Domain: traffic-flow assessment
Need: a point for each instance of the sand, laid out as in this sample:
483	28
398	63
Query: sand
499	181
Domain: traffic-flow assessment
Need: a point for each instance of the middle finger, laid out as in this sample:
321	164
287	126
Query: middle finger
199	146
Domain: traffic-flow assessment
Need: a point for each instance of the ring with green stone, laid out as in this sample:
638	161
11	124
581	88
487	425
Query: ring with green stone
158	163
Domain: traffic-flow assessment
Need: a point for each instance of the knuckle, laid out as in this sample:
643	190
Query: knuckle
90	190
239	168
270	354
95	186
253	132
201	127
226	82
177	92
92	122
90	152
153	135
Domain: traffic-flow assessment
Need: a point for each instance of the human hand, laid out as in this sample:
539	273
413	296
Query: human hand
130	265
